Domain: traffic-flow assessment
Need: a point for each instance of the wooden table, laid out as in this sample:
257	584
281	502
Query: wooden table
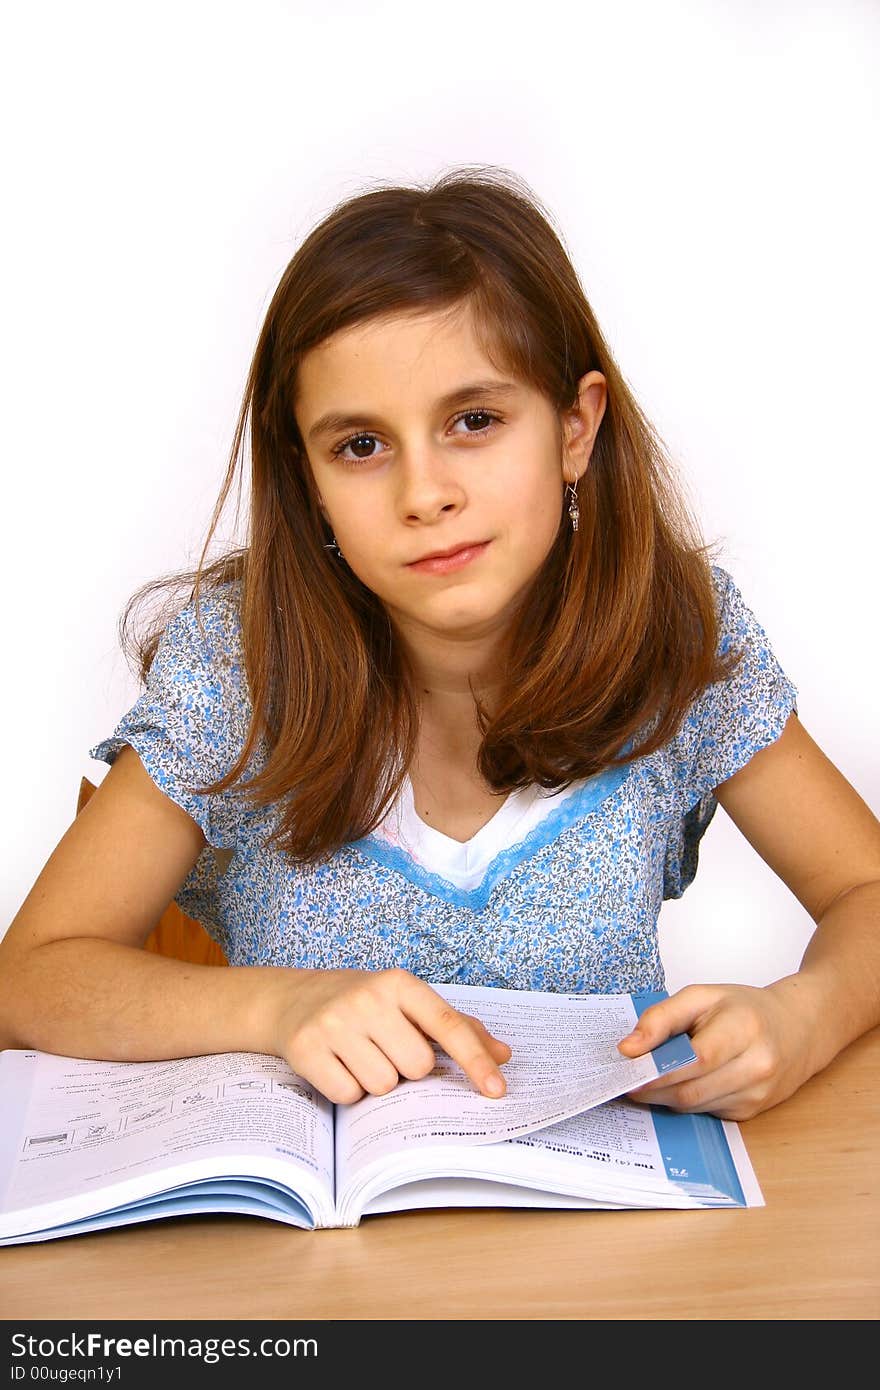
813	1252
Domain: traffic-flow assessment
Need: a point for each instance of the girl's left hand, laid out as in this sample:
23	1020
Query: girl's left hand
753	1047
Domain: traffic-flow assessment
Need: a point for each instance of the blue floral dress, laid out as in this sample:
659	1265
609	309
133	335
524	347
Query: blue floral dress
557	892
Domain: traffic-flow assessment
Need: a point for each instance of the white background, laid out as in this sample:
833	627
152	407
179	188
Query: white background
713	169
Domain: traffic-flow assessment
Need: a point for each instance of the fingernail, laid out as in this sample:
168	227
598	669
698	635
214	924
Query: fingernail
495	1085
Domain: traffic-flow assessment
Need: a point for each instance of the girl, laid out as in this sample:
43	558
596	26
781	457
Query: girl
461	710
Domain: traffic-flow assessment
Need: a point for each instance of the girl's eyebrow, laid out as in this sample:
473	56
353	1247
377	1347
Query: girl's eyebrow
334	420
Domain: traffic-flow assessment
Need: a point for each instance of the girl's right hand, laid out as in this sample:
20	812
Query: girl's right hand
350	1032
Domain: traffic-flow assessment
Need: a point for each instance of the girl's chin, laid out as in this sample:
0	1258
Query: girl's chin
464	621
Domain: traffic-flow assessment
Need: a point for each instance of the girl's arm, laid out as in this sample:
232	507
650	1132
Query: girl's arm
74	979
755	1047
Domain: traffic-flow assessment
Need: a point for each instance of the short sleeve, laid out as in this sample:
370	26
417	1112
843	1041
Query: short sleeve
187	725
726	725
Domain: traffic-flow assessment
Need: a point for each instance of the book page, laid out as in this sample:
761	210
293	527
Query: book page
565	1060
74	1126
616	1154
606	1156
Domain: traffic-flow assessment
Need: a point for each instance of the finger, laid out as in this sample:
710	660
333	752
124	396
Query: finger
704	1090
463	1038
740	1105
330	1076
717	1042
407	1047
410	1051
680	1013
502	1051
496	1044
649	1089
368	1063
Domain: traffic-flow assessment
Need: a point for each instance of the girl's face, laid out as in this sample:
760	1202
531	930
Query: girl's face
431	448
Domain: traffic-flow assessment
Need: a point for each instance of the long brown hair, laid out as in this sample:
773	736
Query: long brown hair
618	633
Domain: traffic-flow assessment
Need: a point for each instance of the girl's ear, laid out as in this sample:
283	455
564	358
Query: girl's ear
577	445
581	424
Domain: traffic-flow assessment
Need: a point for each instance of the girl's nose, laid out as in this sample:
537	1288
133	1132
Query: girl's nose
428	481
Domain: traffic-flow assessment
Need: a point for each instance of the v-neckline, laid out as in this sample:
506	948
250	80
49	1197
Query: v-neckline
509	807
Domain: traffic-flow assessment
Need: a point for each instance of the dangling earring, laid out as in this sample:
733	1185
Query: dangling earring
574	510
331	545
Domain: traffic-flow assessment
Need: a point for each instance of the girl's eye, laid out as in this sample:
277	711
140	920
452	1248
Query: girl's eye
472	414
364	440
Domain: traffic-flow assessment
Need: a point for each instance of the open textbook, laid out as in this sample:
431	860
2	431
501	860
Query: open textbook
91	1144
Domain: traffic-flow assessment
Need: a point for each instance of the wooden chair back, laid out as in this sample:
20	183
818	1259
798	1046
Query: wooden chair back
174	934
